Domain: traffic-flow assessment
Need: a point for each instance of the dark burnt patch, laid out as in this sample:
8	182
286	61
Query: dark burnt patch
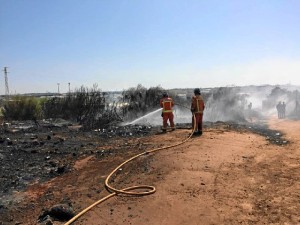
273	136
30	153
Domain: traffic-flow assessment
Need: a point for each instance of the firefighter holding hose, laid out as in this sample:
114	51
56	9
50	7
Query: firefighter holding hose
197	108
166	103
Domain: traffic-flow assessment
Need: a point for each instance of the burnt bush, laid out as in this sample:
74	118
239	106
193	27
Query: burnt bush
137	101
277	94
77	106
225	104
105	117
53	108
85	106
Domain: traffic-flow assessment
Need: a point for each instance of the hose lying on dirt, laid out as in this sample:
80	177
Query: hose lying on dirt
129	190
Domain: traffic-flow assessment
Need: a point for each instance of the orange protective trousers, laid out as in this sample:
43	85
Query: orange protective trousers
168	116
199	118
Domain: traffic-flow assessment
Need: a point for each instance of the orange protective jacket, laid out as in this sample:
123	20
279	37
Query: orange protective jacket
197	104
167	104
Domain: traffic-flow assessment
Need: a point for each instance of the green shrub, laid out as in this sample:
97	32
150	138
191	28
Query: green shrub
22	108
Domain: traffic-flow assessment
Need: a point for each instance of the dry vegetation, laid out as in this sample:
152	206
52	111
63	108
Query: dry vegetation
67	145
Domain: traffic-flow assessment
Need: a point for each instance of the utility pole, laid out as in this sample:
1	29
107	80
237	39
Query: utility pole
6	81
69	87
58	88
297	106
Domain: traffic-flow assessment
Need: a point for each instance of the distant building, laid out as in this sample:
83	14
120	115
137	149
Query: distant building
183	96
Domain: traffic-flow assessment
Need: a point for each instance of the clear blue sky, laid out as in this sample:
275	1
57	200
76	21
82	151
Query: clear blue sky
176	44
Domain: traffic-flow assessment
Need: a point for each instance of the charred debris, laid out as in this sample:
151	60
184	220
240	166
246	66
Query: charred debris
42	138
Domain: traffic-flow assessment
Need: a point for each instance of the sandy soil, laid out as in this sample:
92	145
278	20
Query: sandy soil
222	177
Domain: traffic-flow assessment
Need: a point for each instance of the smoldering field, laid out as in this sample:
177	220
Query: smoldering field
40	149
230	104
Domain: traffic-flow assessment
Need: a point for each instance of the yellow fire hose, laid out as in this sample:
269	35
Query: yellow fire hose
128	190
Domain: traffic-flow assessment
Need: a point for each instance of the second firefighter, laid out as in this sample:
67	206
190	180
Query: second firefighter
197	108
166	103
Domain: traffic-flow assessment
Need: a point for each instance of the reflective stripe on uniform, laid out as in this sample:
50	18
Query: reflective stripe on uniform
198	106
167	110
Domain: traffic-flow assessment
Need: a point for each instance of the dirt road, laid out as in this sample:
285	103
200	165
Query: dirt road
222	177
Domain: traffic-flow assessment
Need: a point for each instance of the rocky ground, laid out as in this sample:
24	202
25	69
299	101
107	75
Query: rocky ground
58	165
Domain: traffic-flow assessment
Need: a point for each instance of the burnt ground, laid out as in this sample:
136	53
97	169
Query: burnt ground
31	154
273	136
34	154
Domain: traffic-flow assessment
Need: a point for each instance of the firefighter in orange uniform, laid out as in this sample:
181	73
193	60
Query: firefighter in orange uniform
166	103
197	108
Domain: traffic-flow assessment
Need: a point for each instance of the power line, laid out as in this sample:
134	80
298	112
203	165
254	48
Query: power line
6	81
